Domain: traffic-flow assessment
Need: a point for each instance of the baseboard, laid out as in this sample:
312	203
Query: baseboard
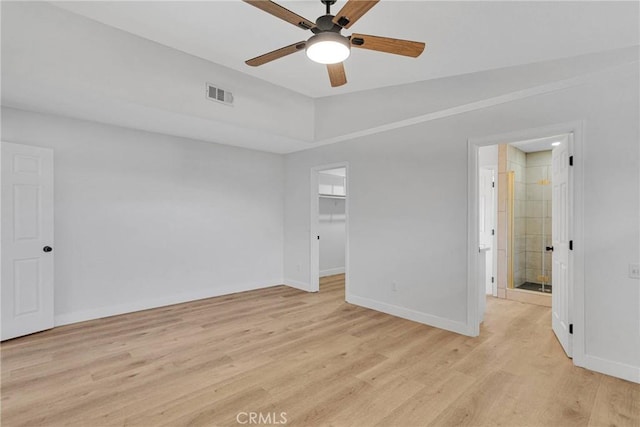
298	285
332	271
609	367
409	314
114	310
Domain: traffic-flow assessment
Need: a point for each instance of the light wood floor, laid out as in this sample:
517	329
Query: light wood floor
318	359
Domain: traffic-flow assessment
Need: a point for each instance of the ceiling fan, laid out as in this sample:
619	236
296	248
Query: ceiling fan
327	45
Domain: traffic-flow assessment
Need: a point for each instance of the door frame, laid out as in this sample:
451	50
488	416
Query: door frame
576	257
314	225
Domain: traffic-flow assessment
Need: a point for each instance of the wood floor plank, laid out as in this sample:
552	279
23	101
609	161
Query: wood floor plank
311	356
443	390
616	404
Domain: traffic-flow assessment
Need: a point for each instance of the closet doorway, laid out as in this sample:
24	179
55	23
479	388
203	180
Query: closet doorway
329	226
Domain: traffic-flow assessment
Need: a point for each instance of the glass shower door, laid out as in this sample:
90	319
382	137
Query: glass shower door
545	240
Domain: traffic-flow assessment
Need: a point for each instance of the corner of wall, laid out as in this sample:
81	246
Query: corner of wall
610	367
298	285
409	314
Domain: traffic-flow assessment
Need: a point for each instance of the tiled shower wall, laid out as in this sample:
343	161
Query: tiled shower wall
517	162
538	216
532	219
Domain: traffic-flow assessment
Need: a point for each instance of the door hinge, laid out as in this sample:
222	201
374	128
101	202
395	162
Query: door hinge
570	245
493	184
492	279
318	237
570	160
493	232
571	328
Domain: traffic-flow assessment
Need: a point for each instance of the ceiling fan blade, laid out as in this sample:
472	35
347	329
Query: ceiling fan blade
388	45
352	11
337	74
282	12
276	54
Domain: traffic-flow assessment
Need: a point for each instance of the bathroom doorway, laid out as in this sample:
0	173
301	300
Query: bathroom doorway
539	217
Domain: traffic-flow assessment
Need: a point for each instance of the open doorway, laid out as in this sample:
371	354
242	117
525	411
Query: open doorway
521	222
538	218
332	221
329	225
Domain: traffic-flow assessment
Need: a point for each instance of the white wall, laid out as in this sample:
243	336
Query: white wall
353	112
418	236
143	219
54	61
331	229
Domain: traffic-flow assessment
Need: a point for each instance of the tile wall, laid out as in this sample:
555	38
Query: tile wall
517	162
537	211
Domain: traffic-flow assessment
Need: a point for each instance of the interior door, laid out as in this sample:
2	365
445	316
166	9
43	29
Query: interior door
560	206
26	228
487	224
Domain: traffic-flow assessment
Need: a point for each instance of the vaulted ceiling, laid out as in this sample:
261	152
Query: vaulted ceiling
461	37
144	64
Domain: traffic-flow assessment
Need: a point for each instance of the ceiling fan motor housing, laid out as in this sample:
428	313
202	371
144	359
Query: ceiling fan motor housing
327	33
325	23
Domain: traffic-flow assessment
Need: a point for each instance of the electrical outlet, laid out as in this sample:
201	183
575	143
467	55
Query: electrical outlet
394	286
634	271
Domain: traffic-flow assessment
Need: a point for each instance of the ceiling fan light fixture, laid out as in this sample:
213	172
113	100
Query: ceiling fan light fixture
328	48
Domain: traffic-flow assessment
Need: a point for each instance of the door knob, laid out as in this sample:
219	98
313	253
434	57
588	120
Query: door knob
550	248
47	249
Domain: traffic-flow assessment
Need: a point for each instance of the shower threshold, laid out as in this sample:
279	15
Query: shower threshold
537	287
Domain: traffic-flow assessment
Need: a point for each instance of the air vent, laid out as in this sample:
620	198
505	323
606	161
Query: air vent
214	93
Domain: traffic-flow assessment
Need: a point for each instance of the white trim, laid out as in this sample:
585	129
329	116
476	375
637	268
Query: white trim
576	285
114	310
615	369
299	285
331	271
578	319
473	241
407	313
494	247
314	230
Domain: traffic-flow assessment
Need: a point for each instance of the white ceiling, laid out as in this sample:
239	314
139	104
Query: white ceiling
461	37
539	144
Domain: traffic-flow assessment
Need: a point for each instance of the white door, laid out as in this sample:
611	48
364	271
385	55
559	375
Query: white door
487	225
561	205
26	229
482	296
